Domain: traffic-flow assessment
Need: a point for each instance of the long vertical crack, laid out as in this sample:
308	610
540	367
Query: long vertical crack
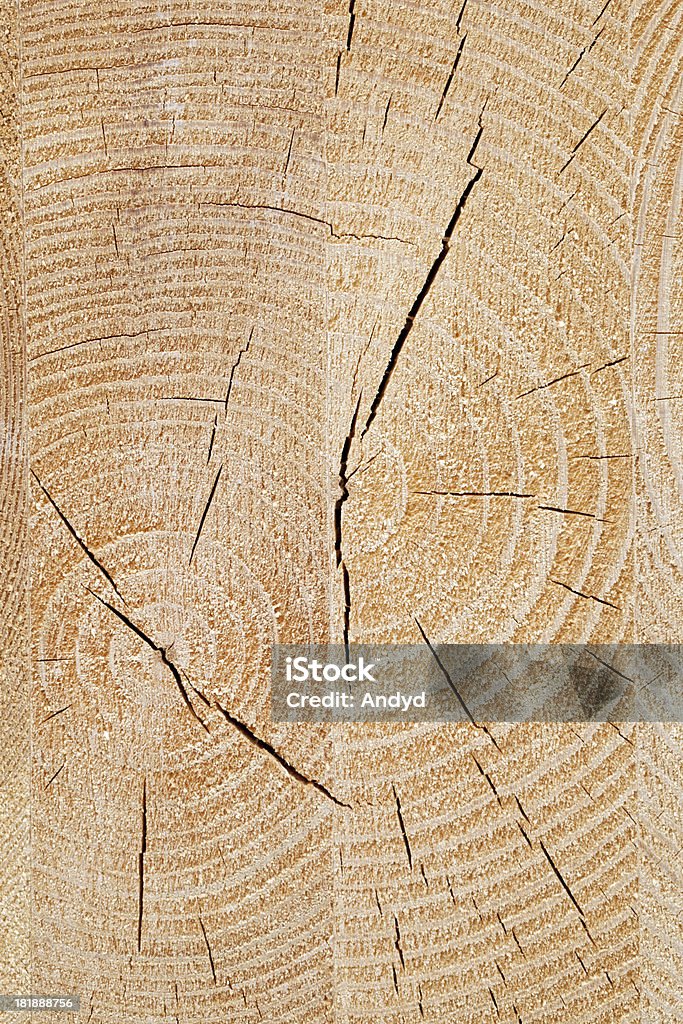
344	477
205	512
141	863
429	280
449	80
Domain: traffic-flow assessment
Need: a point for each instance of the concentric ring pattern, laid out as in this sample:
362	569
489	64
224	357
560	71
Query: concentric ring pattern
346	321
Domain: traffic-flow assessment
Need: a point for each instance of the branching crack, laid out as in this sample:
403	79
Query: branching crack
79	540
429	280
282	761
242	352
161	651
307	216
338	516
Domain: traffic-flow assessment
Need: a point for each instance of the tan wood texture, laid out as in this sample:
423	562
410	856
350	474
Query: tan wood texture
336	320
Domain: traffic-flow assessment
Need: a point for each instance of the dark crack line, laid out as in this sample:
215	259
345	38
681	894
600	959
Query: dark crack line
397	942
572	512
81	543
584	51
289	153
273	209
604	8
338	517
599	458
614	362
556	380
489	780
581	141
190	398
283	762
453	687
161	651
558	874
585	928
386	113
517	943
242	352
611	668
526	838
208	950
477	494
458	21
141	863
55	713
445	672
521	809
429	281
352	21
579	593
399	815
447	86
53	777
213	438
205	513
307	216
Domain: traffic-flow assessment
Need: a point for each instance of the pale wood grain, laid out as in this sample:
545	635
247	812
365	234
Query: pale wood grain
291	272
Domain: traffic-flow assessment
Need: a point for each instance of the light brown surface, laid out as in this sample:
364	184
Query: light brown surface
221	218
